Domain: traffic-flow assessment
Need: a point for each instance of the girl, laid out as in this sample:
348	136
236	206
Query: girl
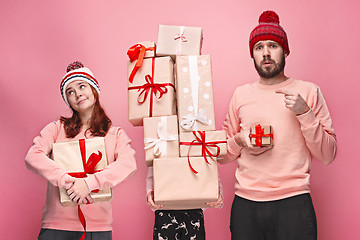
80	91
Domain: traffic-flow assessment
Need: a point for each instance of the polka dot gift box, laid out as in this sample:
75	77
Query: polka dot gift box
195	102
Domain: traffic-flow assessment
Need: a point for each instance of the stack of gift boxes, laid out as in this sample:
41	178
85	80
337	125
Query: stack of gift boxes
180	139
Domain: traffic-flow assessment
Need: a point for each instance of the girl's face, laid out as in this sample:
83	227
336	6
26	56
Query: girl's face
80	96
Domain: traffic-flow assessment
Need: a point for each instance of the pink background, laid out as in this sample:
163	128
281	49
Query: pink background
39	38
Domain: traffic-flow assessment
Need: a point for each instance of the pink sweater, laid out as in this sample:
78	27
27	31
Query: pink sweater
284	170
98	216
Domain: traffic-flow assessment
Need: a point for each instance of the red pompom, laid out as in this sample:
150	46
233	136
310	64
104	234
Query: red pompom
74	65
269	17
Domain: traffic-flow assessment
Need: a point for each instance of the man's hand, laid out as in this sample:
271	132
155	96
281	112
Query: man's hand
79	192
151	202
242	139
294	102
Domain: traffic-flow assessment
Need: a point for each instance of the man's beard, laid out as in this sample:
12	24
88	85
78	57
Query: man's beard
279	67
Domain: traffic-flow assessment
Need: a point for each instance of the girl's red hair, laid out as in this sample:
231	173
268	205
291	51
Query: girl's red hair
100	123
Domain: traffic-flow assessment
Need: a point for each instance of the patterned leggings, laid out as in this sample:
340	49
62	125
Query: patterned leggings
179	225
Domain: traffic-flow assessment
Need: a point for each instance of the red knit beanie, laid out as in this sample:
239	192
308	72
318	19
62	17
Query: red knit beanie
269	29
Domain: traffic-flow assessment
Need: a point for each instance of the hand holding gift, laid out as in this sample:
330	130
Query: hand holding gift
294	102
242	139
151	201
79	192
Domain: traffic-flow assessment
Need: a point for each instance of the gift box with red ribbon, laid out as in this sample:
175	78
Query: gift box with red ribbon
261	136
209	144
137	53
177	187
160	138
152	91
195	101
80	159
178	40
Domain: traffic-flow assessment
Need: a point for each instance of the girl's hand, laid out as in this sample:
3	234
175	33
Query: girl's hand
79	192
151	202
218	204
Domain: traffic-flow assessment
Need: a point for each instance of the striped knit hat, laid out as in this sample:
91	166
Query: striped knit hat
77	71
269	29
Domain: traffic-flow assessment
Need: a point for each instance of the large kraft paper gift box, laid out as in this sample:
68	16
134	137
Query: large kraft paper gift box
160	138
71	156
194	92
176	186
152	92
198	143
178	40
261	135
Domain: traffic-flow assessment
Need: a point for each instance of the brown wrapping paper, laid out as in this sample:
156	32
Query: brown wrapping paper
195	93
160	138
68	156
211	137
266	141
164	106
178	40
177	187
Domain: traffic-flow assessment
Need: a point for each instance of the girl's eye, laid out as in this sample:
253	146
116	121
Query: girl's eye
70	92
82	86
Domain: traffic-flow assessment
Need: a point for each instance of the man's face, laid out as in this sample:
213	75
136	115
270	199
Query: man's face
269	58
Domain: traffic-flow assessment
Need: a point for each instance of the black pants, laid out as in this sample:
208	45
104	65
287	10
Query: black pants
52	234
286	219
179	224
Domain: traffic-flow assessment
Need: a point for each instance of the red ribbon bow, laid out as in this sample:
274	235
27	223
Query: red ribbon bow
89	167
200	140
259	134
152	88
137	52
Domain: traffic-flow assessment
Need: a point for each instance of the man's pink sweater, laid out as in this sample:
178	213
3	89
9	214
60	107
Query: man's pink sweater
284	170
98	216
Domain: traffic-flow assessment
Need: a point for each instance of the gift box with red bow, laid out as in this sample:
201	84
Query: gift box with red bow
195	101
80	159
176	186
261	136
151	92
209	144
178	40
160	138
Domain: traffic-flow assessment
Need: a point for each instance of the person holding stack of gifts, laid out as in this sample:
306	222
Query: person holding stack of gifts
181	147
82	157
274	128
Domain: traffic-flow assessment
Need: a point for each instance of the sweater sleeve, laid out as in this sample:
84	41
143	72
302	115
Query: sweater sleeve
38	160
121	169
232	126
316	126
149	180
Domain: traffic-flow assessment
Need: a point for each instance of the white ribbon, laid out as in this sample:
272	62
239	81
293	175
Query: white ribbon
159	143
190	120
181	39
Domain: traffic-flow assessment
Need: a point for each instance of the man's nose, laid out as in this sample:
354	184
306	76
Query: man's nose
266	52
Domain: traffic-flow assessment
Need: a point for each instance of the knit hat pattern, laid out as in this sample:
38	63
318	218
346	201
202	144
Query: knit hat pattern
77	71
269	29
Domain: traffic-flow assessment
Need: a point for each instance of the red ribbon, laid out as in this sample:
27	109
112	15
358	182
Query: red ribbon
89	167
137	52
152	88
200	140
259	134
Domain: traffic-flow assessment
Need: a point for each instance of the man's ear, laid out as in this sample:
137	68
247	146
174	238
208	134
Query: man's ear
285	54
